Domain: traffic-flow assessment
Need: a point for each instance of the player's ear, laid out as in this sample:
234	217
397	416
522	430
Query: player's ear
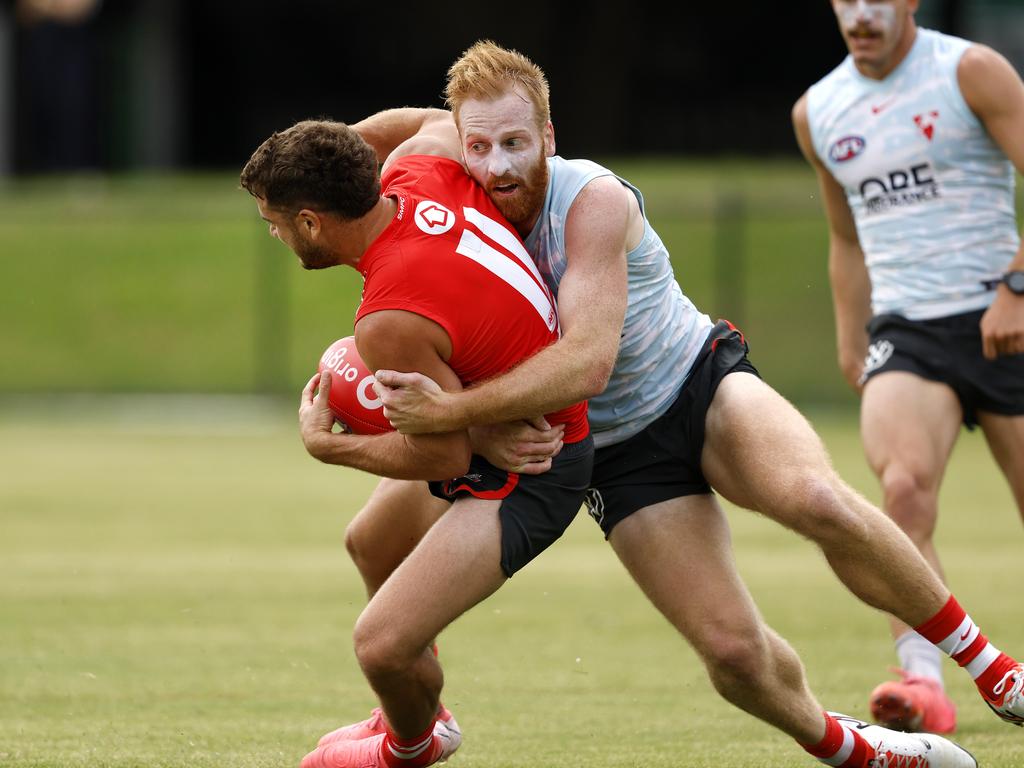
308	221
549	139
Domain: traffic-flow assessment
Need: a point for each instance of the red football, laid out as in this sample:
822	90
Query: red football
353	399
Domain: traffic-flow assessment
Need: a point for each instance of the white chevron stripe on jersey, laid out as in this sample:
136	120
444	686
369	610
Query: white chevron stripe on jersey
503	237
498	263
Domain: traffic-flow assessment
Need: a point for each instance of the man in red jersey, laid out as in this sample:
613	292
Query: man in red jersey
449	290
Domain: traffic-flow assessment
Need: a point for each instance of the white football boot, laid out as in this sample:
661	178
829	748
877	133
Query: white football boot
895	749
451	737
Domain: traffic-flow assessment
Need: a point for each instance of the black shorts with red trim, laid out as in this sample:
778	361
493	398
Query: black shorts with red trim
662	462
535	509
948	350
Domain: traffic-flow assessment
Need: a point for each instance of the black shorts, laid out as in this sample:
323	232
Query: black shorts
948	350
535	509
663	461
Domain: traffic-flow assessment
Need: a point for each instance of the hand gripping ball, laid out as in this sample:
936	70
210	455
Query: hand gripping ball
353	400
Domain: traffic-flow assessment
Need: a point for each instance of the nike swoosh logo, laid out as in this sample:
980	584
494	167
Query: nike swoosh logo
965	634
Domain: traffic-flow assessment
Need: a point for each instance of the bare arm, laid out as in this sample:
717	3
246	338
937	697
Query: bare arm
402	341
437	136
592	299
848	274
385	130
395	133
591	306
994	92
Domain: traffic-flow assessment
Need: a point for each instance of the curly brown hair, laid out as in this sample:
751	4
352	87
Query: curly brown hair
317	164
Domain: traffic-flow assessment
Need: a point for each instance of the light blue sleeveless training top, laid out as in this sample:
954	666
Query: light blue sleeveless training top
663	331
931	193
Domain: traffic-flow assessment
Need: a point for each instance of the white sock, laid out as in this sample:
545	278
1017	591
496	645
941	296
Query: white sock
918	656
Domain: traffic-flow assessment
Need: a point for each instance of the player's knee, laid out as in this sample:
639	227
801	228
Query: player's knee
370	553
908	501
823	511
355	545
736	661
380	651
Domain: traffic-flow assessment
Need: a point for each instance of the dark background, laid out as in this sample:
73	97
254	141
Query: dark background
199	83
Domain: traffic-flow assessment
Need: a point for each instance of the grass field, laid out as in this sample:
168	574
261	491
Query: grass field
174	592
173	588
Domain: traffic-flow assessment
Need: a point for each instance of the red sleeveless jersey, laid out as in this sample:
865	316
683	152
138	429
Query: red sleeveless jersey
449	256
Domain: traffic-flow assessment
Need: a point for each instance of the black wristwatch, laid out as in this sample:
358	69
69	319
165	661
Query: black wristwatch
1014	280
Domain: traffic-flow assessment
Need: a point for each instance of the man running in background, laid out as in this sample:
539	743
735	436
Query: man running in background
914	138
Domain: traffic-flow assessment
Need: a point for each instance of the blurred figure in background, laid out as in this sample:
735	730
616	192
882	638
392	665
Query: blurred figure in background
914	138
57	84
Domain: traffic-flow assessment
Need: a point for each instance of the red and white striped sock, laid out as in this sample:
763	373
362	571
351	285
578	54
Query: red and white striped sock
842	746
952	630
416	752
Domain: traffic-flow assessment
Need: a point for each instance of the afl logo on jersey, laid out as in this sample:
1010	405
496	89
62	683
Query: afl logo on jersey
846	148
433	218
